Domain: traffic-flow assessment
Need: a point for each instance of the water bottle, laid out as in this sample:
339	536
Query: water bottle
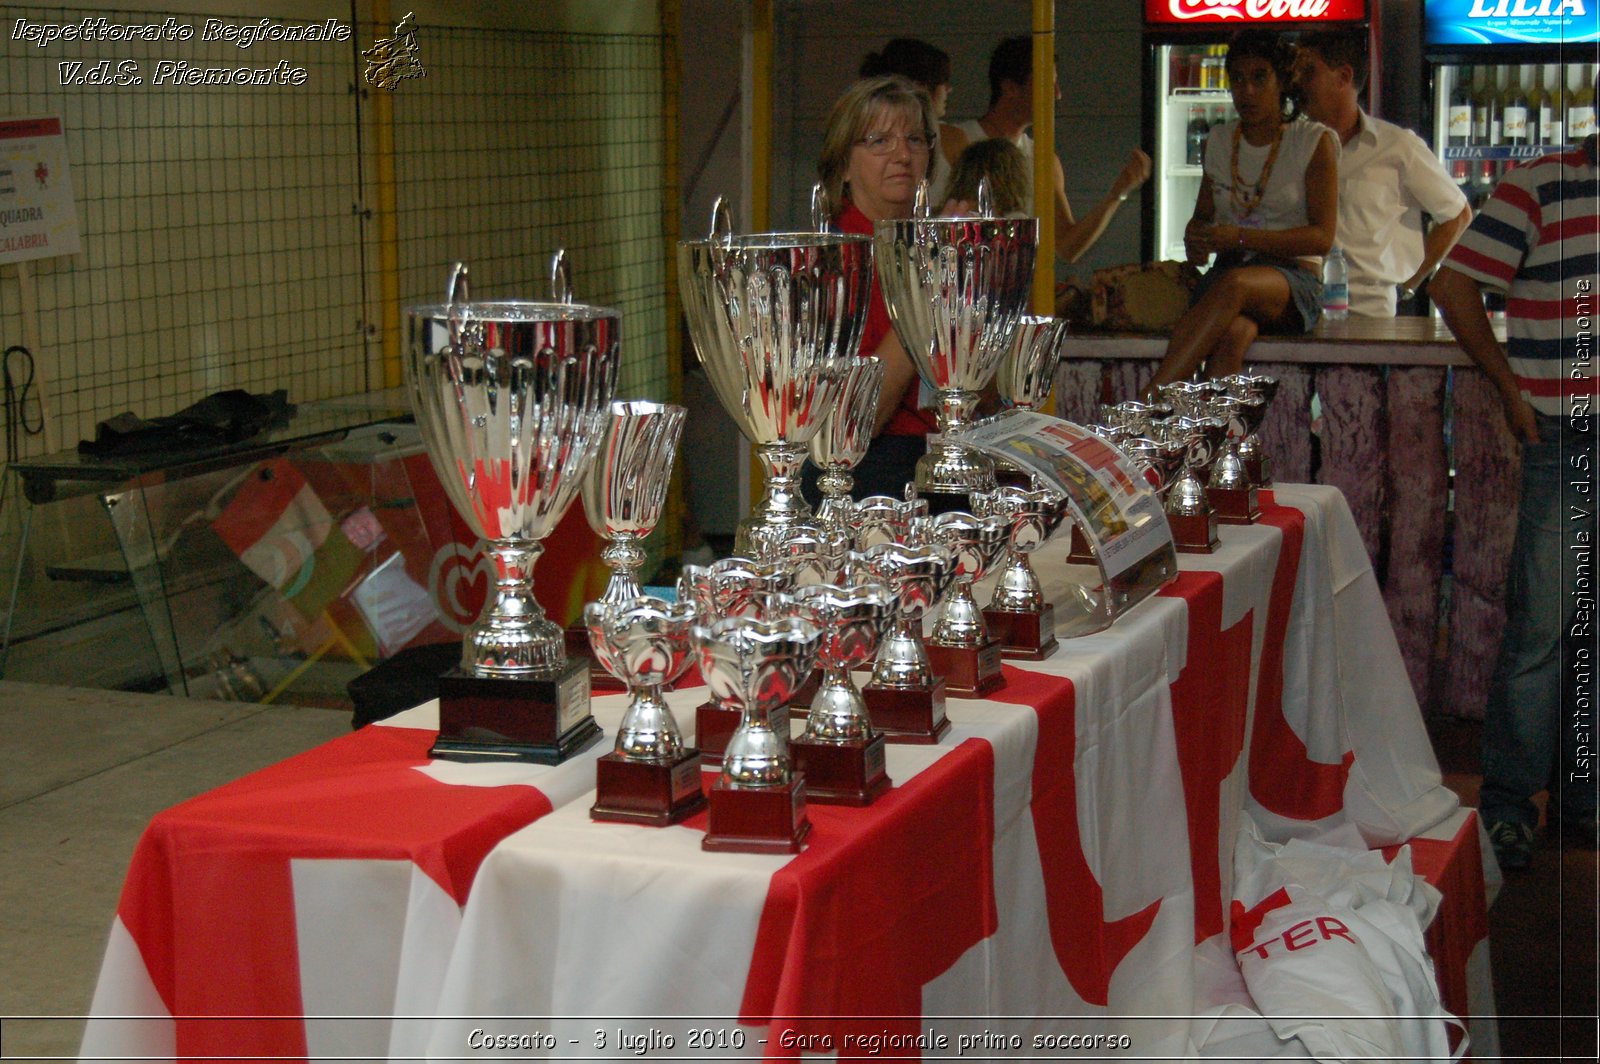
1335	287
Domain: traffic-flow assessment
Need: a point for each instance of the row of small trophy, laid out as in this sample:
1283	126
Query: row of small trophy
1197	443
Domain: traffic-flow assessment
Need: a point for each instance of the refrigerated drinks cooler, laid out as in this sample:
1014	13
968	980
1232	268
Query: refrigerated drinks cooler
1512	80
1186	90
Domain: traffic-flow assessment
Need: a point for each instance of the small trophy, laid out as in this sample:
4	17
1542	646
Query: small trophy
732	587
650	777
1018	615
1256	462
906	698
884	519
1189	512
961	648
1232	491
758	804
840	755
622	499
511	399
842	441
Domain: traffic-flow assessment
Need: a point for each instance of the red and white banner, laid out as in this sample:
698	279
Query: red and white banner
1236	14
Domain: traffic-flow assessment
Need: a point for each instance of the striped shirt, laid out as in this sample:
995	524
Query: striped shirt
1537	239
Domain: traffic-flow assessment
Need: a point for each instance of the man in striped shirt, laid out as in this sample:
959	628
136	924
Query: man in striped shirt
1537	240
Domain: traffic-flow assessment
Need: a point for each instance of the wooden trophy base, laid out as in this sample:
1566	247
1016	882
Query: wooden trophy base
578	649
1080	553
1234	506
1260	471
744	819
493	718
847	773
970	672
907	714
1194	533
1023	636
713	727
943	502
647	792
1012	477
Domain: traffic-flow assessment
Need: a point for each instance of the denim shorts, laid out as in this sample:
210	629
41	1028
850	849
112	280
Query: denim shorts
1305	287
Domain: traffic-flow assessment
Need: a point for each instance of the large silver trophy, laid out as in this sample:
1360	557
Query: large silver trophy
650	776
956	288
776	320
511	399
758	804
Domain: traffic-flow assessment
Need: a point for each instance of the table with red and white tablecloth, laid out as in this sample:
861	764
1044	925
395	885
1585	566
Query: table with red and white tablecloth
1051	870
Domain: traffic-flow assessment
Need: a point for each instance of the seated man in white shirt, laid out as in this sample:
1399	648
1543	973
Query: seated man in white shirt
1388	178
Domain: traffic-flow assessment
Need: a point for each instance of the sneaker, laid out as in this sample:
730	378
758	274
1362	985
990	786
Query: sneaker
1513	844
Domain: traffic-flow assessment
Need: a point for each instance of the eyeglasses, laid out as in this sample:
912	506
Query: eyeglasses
884	143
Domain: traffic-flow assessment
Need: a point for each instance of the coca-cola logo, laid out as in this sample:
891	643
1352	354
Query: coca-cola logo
1261	10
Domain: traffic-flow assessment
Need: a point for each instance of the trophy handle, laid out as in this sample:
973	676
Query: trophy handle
560	278
985	198
456	298
819	208
721	223
920	207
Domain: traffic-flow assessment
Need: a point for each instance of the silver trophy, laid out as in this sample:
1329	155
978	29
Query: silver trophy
842	441
884	519
1028	371
906	697
1259	391
731	587
1018	615
627	486
1188	506
511	399
961	648
758	803
955	288
776	320
649	777
839	753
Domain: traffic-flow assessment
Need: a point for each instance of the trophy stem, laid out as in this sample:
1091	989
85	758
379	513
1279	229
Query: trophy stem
648	731
950	466
961	622
1018	588
513	637
782	503
624	556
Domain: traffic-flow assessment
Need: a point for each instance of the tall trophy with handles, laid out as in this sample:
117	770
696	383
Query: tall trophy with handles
511	399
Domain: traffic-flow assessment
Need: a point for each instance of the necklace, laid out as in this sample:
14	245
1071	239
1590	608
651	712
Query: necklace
1246	200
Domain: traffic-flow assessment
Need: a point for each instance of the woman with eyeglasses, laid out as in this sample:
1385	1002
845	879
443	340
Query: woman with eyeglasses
1267	208
874	153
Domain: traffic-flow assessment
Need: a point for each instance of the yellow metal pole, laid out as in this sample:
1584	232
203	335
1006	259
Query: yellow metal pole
384	216
672	527
1044	152
761	45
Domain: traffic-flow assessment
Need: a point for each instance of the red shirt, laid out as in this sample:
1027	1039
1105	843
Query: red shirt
910	419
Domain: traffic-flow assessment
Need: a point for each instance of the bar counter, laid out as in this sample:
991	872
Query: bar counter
1413	434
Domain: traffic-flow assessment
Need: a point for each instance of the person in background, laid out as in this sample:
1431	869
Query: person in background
1009	116
1537	239
1003	164
874	153
1388	178
928	67
1267	207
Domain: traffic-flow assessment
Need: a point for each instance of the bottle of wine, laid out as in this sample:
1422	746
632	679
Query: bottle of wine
1458	123
1552	107
1514	109
1580	103
1486	128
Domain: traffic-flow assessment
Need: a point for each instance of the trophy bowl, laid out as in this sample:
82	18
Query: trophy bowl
776	320
842	440
510	398
956	288
1028	370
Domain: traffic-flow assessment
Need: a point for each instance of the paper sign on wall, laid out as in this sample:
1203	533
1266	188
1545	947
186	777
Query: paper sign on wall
38	217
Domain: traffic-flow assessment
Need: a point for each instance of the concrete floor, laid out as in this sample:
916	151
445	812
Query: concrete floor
87	771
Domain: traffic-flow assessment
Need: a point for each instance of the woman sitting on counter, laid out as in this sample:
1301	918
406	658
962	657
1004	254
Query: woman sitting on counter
1268	206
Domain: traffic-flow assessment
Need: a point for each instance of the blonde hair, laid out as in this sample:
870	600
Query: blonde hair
1003	163
854	114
